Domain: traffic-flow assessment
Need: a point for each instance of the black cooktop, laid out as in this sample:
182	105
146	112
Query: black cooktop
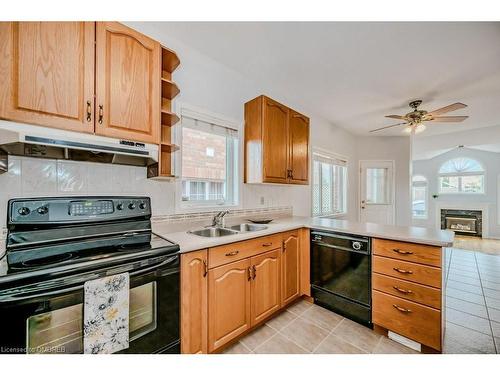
48	236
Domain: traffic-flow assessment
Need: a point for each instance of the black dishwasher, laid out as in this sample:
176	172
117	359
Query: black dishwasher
341	274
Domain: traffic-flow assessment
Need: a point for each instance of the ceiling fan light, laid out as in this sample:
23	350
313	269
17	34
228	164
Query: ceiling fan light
408	129
419	128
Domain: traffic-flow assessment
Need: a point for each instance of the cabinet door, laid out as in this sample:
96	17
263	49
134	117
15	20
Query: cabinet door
228	302
275	142
290	268
128	74
298	148
194	308
265	289
47	73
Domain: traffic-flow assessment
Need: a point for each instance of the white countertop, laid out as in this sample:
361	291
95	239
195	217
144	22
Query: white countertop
190	242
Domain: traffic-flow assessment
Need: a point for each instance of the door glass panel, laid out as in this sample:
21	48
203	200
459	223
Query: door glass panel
61	331
377	186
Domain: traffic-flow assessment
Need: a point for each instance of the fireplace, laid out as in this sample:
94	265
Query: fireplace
465	222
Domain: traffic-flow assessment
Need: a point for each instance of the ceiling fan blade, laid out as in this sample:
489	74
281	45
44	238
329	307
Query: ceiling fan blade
448	108
449	118
389	126
398	117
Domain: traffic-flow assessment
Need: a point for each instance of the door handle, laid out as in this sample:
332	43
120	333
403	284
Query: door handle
249	270
254	269
403	310
404	291
402	271
101	114
205	268
89	111
402	252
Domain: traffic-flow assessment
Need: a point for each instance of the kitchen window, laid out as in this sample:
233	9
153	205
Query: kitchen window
329	185
461	176
209	162
419	193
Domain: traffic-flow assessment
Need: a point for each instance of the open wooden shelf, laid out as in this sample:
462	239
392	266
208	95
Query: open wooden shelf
169	89
169	147
169	60
163	170
168	118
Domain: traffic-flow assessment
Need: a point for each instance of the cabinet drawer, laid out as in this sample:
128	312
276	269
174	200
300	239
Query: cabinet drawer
409	319
423	254
407	290
417	273
224	254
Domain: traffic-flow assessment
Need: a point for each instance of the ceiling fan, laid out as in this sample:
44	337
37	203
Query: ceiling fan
414	120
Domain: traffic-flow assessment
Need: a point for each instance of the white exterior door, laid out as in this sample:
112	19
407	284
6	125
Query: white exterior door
376	192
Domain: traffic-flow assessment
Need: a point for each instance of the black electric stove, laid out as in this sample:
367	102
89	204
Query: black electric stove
55	245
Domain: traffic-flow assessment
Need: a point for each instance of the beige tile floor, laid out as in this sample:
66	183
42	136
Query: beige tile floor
472	326
484	245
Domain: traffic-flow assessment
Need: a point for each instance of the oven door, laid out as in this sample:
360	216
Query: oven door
51	321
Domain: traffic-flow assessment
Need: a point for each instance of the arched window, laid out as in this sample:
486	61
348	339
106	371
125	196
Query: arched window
461	175
419	198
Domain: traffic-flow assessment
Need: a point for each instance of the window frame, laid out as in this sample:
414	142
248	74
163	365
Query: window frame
342	158
234	161
459	176
425	184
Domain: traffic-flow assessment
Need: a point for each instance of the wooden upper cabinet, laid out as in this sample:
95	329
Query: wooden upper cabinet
266	285
194	306
290	268
128	71
276	143
47	74
299	148
228	302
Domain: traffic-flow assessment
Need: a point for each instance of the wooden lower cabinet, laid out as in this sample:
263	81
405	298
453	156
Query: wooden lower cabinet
228	302
265	286
290	267
227	290
194	307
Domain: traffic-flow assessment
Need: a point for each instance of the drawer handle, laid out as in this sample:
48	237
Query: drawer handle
405	291
205	268
267	244
254	269
402	271
402	252
232	253
403	310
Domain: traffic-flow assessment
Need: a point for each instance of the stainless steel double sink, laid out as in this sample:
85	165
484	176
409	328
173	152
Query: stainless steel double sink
228	231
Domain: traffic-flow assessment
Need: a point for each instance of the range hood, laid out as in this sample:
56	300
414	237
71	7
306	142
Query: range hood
37	141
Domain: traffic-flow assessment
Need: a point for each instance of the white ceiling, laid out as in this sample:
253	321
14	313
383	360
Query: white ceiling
355	73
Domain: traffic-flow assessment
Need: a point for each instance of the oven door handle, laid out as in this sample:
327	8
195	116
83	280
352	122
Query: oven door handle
38	294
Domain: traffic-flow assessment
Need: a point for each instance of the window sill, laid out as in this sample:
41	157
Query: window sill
332	216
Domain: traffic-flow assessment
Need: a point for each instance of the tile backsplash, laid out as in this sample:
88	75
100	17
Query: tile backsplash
32	177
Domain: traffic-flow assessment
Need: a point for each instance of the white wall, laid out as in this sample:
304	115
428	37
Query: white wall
397	149
490	161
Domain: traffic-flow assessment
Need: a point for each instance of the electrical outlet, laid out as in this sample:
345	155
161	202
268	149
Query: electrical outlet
261	200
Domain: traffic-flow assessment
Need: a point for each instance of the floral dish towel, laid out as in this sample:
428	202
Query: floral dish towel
106	314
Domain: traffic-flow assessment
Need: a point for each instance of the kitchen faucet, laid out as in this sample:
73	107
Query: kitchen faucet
218	220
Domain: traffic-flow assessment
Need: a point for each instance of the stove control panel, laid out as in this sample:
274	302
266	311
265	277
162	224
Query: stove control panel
71	209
